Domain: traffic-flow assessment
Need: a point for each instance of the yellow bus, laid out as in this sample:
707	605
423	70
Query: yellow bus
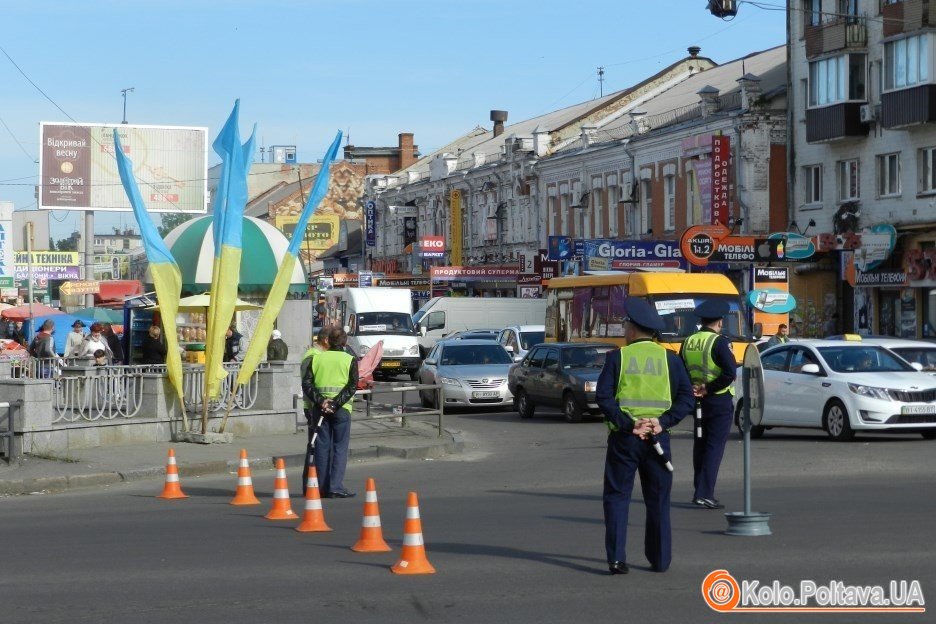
590	308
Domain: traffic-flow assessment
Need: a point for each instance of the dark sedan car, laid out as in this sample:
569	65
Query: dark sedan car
561	375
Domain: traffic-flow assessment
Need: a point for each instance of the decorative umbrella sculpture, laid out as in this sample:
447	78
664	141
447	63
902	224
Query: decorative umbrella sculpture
192	245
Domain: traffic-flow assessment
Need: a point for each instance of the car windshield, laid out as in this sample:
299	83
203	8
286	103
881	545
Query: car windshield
680	321
921	355
528	339
584	357
373	323
865	359
472	355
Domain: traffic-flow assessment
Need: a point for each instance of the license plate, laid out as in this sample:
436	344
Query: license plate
918	409
389	364
485	395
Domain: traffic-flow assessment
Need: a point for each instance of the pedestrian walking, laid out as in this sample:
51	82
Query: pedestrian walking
42	348
711	364
93	341
75	339
643	391
330	383
233	345
277	349
153	351
781	337
113	341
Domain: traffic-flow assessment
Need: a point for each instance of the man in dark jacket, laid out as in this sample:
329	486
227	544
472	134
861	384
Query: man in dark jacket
232	346
113	341
277	349
42	347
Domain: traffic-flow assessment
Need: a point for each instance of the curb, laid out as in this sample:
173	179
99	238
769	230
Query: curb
448	444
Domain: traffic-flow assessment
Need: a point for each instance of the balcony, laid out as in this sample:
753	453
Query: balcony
838	121
908	107
908	16
837	34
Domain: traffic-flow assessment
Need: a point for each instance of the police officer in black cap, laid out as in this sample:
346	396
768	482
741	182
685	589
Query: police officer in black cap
643	391
711	365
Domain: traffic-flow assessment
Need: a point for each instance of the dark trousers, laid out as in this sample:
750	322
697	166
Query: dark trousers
331	449
707	451
629	455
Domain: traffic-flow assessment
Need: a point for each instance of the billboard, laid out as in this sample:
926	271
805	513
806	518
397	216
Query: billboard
6	244
432	247
78	170
321	232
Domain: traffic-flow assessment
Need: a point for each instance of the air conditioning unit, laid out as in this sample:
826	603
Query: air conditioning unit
867	113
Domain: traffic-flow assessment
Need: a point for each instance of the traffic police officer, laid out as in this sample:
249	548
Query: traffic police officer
330	383
319	345
643	389
711	367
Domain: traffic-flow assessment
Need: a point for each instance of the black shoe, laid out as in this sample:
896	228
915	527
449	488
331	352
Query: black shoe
618	567
342	494
707	503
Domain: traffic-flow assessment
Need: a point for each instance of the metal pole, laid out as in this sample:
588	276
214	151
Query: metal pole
746	428
29	273
89	254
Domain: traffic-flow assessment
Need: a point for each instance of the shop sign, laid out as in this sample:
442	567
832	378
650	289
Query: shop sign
47	258
565	248
365	279
881	278
432	246
593	263
402	282
838	242
792	246
529	278
345	279
605	254
547	268
721	157
920	264
771	300
48	272
770	297
370	222
876	247
474	274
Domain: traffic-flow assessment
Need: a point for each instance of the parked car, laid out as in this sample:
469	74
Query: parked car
914	351
473	373
442	316
518	339
843	387
563	374
474	334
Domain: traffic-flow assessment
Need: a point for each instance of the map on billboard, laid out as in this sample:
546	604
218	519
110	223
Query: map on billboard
78	170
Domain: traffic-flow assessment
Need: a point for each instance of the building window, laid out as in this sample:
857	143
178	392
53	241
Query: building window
906	62
669	202
848	180
888	174
646	205
563	215
928	170
838	79
813	177
613	210
551	210
693	199
596	195
813	12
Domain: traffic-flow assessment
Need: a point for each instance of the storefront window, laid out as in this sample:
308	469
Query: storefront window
929	313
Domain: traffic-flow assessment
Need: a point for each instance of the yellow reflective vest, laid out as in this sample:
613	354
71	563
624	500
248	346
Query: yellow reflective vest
643	389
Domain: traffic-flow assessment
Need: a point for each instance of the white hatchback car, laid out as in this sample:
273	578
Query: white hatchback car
843	387
518	339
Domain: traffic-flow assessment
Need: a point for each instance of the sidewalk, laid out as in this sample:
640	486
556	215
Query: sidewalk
370	439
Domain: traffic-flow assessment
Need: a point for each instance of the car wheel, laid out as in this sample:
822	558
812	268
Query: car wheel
928	435
570	408
836	422
523	404
757	431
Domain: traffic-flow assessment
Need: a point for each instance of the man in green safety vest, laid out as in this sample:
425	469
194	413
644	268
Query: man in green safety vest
712	366
643	391
330	383
319	345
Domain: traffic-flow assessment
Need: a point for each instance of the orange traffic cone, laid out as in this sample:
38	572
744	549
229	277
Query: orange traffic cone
172	489
245	492
371	539
313	519
413	558
281	509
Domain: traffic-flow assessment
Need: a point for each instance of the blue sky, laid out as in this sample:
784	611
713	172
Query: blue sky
306	68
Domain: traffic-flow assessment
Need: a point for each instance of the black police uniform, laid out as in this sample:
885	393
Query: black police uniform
628	454
717	412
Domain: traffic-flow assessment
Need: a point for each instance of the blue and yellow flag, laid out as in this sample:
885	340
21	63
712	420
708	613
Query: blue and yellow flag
166	276
228	213
277	296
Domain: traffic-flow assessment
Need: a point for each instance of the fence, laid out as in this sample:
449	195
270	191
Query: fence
401	409
193	385
8	448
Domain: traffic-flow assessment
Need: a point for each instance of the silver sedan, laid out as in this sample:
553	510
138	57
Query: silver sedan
472	373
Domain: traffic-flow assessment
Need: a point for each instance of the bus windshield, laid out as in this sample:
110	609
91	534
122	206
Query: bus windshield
379	323
677	312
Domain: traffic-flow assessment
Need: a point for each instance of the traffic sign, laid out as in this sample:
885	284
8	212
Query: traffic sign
6	281
86	287
754	388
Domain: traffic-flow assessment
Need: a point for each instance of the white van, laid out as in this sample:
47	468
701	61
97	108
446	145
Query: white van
373	314
441	316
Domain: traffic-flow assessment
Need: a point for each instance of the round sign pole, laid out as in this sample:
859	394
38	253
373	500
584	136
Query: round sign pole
750	523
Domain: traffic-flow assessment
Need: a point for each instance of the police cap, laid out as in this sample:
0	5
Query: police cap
640	312
712	309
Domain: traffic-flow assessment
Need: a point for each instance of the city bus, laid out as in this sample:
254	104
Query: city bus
590	308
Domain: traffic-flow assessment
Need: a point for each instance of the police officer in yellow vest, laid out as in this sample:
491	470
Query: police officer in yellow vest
711	366
319	345
643	389
330	384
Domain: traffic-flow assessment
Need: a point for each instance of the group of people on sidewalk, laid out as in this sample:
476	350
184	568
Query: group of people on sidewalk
643	391
101	343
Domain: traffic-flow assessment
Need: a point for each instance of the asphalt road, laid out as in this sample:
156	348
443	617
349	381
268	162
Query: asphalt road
513	526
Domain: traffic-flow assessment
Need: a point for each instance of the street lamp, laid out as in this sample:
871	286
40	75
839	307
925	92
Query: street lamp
124	93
